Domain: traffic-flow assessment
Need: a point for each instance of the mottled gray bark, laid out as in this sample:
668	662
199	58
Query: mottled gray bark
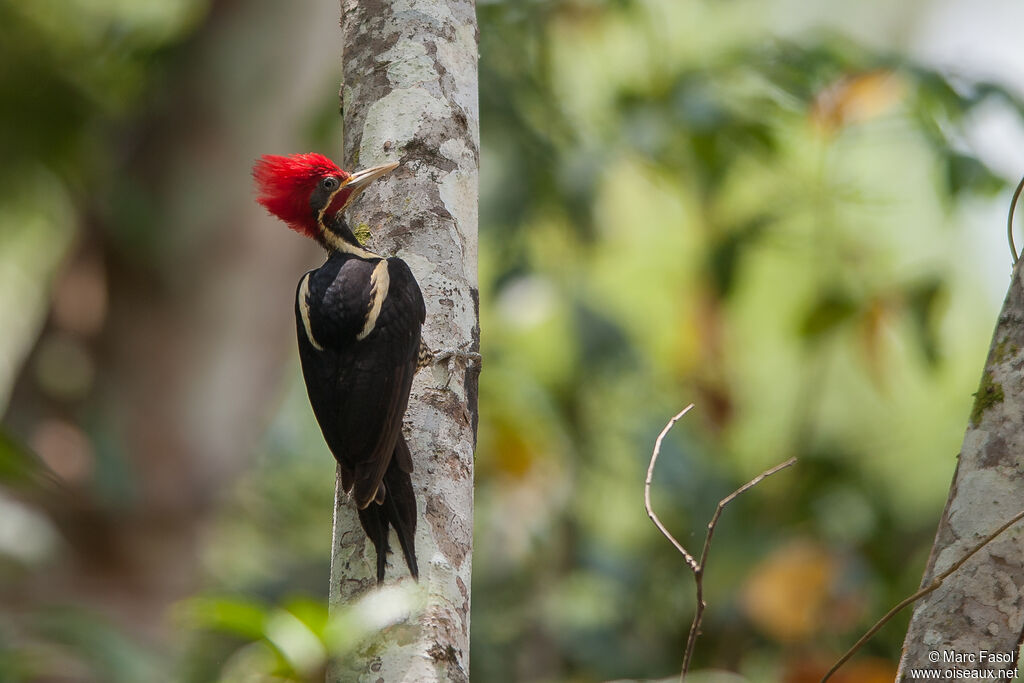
410	95
974	621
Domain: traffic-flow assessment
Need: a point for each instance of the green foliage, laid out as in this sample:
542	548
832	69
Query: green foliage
75	64
243	638
763	226
286	641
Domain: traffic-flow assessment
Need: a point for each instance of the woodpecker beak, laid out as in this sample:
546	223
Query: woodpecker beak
360	180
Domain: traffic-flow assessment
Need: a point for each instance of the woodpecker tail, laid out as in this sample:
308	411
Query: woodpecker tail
398	510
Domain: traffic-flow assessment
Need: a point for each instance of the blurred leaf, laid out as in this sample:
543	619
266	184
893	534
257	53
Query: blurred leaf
804	69
244	618
303	649
312	613
287	640
602	340
690	126
787	592
830	310
937	98
1000	92
509	453
857	98
923	303
20	468
392	607
872	318
968	174
725	253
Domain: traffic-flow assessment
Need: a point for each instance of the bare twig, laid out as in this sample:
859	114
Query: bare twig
696	567
691	641
691	563
1009	220
936	582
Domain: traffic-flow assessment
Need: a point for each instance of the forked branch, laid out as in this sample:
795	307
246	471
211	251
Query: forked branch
697	567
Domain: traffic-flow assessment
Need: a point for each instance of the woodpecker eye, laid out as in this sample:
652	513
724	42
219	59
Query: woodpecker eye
329	183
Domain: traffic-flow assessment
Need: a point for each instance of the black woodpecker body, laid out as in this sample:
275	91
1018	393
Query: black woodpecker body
358	319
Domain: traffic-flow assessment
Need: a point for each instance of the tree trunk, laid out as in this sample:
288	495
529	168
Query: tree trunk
410	95
980	608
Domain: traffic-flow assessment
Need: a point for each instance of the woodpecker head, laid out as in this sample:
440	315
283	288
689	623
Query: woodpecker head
307	191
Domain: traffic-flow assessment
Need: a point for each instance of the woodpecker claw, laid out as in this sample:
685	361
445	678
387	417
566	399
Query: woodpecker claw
469	357
428	357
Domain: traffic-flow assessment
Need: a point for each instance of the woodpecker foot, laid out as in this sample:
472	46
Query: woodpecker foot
427	357
468	357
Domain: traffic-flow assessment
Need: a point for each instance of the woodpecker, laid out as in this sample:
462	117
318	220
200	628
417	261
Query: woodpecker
358	319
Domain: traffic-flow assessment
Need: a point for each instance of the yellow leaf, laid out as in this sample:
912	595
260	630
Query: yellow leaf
787	592
857	98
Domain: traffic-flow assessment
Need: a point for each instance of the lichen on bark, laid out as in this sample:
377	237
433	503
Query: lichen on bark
988	394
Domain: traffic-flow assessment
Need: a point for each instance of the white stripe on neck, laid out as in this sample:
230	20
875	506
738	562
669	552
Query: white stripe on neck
335	242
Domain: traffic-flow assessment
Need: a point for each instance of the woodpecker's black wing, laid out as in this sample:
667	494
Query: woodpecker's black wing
359	326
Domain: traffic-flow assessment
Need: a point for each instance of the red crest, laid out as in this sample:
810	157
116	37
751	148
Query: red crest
285	185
